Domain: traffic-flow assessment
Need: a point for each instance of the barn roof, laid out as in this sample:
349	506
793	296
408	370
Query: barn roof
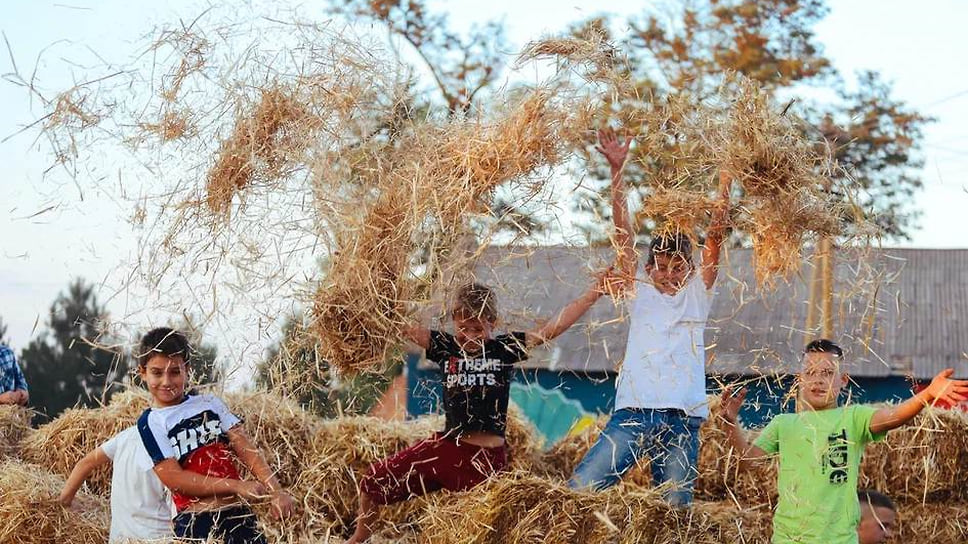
897	311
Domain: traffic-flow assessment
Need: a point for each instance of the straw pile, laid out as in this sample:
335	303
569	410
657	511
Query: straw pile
922	461
932	522
518	508
14	427
60	444
431	180
780	172
258	148
30	513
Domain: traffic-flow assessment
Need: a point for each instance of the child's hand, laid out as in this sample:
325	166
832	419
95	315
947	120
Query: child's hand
250	490
944	389
614	150
730	404
282	505
65	498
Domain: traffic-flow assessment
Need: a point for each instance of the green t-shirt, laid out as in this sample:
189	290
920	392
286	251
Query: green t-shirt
819	460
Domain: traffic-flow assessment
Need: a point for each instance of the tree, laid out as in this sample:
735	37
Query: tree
295	369
876	137
461	66
70	361
685	53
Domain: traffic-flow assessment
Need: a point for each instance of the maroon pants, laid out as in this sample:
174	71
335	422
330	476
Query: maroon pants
430	465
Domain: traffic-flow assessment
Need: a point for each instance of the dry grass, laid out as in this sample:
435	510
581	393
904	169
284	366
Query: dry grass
432	181
922	461
14	427
31	514
60	444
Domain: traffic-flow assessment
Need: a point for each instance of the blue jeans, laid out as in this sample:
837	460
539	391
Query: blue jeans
669	438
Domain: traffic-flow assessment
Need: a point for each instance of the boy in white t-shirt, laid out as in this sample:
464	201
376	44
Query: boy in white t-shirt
660	397
140	504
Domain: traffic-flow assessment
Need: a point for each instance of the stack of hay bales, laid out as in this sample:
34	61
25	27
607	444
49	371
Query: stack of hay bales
922	467
30	513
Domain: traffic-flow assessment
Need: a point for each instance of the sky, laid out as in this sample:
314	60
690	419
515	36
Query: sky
54	230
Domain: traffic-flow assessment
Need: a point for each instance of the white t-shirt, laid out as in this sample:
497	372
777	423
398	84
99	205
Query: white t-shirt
665	356
140	503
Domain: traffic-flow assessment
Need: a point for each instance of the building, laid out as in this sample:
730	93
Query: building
900	314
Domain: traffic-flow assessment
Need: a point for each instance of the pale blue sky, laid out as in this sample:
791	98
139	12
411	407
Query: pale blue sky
919	46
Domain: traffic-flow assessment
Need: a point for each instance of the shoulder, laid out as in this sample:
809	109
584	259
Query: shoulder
6	354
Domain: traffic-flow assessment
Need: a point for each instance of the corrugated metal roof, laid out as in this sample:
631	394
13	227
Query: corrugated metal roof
897	311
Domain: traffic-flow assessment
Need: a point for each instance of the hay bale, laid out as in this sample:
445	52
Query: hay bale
339	455
522	508
942	523
523	440
60	444
279	428
30	512
14	427
922	461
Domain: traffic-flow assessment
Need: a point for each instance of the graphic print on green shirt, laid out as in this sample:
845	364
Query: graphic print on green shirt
819	456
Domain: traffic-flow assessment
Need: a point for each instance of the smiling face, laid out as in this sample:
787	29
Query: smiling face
166	377
821	380
668	272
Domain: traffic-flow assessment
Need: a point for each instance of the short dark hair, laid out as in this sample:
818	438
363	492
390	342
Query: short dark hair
164	341
476	300
875	499
670	244
822	345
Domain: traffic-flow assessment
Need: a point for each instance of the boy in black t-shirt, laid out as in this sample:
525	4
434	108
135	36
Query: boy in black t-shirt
476	370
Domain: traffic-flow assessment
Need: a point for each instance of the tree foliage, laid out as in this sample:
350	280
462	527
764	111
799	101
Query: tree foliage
65	364
683	51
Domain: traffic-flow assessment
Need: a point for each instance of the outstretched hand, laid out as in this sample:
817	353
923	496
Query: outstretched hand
946	390
614	150
730	404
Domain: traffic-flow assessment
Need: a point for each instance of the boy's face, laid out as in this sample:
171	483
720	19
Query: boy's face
471	332
821	380
669	272
876	524
165	377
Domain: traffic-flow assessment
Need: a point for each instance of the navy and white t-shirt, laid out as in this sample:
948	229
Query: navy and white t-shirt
193	433
476	386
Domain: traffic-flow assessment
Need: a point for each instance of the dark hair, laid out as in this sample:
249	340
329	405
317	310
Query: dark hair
476	300
677	244
875	499
163	340
822	345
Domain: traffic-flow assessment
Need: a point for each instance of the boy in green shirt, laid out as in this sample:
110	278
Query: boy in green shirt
820	446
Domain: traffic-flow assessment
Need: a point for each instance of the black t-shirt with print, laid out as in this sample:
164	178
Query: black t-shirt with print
476	386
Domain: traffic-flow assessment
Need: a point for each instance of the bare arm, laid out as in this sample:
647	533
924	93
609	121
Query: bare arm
81	471
716	233
250	456
199	485
569	314
730	405
616	152
942	388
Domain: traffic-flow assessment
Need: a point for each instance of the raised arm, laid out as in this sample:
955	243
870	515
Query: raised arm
942	388
81	471
570	313
250	456
615	151
729	412
716	233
